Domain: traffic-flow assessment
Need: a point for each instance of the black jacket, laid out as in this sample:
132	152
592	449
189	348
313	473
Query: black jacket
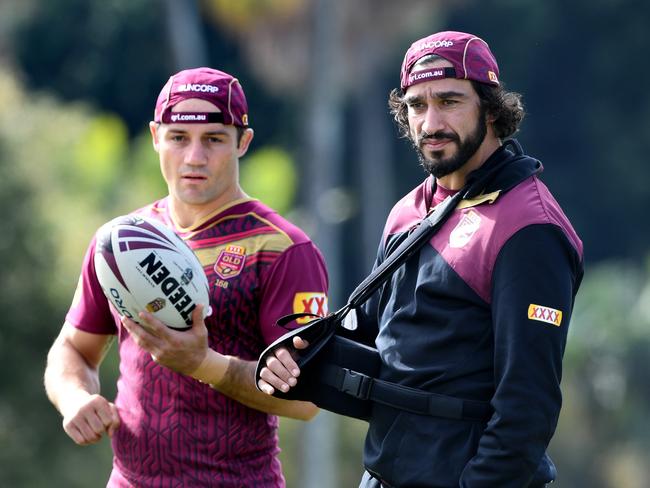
481	313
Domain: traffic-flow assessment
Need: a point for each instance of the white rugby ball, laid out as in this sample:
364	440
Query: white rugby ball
141	264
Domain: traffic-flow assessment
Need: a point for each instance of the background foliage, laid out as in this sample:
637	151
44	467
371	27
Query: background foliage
78	79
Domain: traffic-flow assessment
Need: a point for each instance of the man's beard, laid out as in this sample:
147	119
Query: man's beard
439	166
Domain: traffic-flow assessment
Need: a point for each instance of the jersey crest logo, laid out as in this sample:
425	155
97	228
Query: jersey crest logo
230	262
465	229
545	314
310	302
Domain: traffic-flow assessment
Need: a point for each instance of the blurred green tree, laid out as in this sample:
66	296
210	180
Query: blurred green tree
112	53
603	437
269	174
30	244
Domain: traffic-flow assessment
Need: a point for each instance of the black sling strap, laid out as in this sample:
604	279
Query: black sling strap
364	387
340	375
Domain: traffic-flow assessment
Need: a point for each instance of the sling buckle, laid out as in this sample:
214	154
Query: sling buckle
356	384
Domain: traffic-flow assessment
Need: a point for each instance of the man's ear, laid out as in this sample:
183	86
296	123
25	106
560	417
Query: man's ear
245	141
155	134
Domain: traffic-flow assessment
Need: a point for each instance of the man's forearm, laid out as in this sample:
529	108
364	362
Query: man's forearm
67	375
235	378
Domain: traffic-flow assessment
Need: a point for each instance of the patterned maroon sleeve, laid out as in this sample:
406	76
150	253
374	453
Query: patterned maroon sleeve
297	282
90	310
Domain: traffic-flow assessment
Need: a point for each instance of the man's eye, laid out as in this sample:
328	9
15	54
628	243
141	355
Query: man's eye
448	102
178	138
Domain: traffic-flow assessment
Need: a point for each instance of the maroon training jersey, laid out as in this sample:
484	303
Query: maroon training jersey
176	431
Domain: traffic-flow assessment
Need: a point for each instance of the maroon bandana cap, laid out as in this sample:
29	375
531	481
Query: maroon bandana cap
209	84
470	56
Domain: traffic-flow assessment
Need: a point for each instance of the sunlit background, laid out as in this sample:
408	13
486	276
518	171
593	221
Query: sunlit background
78	82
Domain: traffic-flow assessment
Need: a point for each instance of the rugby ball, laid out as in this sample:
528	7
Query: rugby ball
141	264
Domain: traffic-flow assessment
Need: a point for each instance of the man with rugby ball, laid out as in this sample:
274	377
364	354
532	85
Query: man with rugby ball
187	411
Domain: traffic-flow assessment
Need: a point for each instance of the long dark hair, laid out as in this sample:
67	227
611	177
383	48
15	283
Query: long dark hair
506	108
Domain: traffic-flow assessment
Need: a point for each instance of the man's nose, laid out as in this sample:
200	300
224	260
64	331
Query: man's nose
433	120
195	153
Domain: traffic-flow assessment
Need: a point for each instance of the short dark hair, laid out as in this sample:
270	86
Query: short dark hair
240	133
505	107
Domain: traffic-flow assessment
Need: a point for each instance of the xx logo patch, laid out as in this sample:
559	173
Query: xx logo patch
310	302
545	314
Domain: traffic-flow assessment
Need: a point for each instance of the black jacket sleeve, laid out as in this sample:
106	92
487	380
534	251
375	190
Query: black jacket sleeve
536	277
